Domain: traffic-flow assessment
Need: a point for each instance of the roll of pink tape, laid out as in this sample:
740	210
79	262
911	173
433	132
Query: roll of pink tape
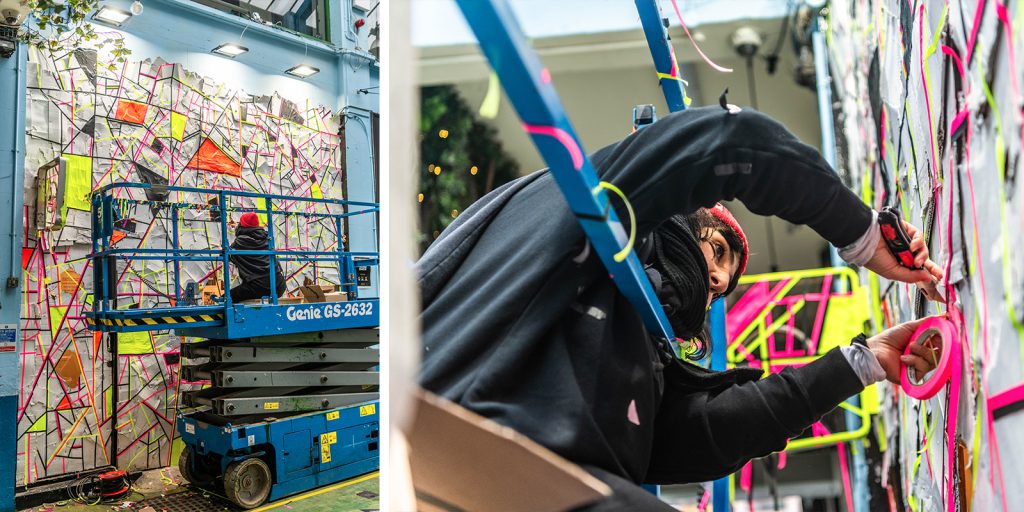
947	361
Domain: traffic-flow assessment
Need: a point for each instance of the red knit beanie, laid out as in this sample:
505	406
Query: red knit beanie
722	214
251	220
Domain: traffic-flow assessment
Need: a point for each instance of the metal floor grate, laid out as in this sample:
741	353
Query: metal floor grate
187	501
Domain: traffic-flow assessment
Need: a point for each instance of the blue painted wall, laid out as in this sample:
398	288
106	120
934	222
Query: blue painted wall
12	169
184	32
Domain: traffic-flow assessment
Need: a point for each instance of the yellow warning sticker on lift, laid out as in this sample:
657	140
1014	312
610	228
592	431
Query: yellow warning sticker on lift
271	406
333	415
325	453
366	410
326	440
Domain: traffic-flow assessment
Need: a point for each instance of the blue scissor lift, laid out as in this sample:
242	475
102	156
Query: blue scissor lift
293	400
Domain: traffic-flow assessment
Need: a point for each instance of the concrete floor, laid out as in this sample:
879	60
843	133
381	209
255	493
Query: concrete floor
162	491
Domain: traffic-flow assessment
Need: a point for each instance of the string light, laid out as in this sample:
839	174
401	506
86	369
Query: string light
420	197
473	170
455	213
443	134
437	170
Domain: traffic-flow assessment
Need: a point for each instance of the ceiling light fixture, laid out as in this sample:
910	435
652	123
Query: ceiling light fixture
231	50
303	71
112	16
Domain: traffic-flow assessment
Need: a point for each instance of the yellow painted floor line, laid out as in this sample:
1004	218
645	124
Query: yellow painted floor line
288	501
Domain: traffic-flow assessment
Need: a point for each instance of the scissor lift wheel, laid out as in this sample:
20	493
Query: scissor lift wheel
193	475
248	482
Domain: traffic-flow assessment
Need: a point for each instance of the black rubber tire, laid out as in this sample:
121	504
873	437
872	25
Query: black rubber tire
247	483
200	477
185	467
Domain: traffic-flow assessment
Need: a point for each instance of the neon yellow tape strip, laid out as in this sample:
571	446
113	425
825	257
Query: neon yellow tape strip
928	53
686	99
883	443
621	255
1005	233
670	77
318	492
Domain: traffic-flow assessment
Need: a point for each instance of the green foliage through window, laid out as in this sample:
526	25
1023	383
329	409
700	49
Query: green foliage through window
461	160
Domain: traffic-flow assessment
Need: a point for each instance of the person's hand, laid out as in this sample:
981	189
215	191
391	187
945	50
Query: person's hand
884	264
890	344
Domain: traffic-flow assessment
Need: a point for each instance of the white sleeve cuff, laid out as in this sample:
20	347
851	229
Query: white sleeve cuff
859	252
864	363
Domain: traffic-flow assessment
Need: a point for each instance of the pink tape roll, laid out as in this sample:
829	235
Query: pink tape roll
949	370
947	361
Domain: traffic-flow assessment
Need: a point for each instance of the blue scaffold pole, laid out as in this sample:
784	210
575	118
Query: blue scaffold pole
528	85
861	494
720	489
669	77
674	88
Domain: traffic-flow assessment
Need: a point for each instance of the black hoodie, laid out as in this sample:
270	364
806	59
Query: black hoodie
522	324
254	267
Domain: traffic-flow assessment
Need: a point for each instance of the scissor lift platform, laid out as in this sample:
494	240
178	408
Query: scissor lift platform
257	459
291	389
283	414
275	400
241	320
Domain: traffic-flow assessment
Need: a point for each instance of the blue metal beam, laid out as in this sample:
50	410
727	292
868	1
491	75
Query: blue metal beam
665	64
528	85
674	89
721	487
13	72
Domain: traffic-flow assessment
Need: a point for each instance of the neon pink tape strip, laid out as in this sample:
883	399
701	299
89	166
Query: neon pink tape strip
1008	397
695	46
958	120
561	136
949	371
703	506
979	8
956	60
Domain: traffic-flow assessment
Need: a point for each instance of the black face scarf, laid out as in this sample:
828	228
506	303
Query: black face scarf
680	261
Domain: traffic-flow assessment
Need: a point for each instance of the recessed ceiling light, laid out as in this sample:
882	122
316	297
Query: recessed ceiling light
112	15
230	50
303	71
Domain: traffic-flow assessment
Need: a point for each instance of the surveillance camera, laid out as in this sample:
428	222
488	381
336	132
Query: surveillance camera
12	12
10	17
746	41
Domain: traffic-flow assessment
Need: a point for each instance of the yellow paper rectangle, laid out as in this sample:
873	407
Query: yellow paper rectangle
271	406
261	203
77	183
177	126
56	317
366	410
333	415
134	343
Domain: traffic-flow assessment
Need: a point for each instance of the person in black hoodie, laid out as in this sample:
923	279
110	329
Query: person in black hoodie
523	325
253	269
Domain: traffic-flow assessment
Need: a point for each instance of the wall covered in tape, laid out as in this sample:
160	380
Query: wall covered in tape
91	122
941	84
